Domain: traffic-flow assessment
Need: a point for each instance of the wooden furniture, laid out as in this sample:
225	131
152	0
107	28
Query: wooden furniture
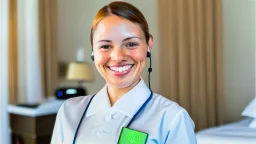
31	130
33	123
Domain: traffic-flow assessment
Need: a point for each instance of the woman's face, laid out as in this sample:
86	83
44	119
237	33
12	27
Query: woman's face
120	49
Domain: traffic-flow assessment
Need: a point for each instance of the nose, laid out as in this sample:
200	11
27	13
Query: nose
118	55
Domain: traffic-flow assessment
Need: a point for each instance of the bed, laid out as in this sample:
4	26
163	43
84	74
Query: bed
233	133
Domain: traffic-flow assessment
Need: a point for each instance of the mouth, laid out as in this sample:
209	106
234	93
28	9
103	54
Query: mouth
121	70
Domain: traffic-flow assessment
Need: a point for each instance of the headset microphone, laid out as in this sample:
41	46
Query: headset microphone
92	56
148	54
150	68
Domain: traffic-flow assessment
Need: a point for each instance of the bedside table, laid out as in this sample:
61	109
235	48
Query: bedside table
33	124
31	130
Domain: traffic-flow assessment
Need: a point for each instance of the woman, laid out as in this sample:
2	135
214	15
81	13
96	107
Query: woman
125	111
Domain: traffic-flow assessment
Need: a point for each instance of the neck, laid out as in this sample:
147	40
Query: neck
115	93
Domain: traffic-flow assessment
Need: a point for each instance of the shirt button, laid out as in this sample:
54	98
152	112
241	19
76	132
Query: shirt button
99	132
108	117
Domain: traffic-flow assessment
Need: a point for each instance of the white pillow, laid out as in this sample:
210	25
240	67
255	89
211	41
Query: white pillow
252	124
250	110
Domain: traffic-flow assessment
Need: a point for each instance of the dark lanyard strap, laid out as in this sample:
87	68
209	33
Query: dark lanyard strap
137	113
141	108
74	140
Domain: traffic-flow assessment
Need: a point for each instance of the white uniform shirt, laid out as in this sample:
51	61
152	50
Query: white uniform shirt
164	121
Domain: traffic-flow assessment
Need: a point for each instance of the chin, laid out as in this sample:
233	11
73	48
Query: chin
123	84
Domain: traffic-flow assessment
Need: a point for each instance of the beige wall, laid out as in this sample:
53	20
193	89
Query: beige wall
239	56
75	17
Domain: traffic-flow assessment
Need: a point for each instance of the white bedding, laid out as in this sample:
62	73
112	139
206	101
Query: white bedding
234	133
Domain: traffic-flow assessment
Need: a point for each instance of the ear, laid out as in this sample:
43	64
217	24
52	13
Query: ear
150	42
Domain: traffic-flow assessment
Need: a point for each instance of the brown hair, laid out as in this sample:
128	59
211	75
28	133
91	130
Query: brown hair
124	10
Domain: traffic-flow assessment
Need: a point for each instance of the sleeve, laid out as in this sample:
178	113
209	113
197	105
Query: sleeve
182	130
57	135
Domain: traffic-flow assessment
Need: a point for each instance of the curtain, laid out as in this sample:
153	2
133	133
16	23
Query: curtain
13	63
30	74
48	45
191	57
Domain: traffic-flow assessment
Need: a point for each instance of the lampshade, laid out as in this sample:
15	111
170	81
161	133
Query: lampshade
79	71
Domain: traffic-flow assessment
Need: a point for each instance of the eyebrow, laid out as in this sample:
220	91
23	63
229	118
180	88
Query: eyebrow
130	38
122	41
104	41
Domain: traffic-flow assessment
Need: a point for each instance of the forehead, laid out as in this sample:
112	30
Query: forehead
116	28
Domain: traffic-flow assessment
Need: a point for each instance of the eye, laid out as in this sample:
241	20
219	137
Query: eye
105	47
131	44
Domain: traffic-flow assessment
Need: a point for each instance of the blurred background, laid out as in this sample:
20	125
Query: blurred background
203	53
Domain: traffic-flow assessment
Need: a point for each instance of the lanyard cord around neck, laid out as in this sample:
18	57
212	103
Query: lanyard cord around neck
81	119
141	108
137	113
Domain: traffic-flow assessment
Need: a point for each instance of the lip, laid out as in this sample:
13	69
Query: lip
119	65
120	74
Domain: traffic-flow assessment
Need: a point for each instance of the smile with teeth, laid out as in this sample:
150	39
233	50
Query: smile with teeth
120	68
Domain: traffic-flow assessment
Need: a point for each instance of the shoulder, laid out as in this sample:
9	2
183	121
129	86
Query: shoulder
171	111
81	100
75	104
177	124
167	105
175	121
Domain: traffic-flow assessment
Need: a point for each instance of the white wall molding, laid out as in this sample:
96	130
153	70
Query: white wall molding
4	133
30	79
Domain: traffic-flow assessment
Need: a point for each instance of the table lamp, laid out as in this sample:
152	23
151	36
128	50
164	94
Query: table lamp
77	71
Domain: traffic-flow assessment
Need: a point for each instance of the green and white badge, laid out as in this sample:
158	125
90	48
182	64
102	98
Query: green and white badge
130	136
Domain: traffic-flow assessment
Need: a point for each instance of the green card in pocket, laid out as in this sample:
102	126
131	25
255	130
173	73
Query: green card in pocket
130	136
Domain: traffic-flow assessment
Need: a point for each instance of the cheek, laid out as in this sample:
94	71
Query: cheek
100	59
138	56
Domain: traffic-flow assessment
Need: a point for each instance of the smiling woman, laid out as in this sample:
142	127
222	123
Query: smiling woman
125	110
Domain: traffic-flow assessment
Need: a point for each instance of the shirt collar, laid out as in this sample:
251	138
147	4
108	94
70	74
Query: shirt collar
99	103
128	104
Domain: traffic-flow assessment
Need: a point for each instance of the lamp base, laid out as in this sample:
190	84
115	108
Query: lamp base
69	92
